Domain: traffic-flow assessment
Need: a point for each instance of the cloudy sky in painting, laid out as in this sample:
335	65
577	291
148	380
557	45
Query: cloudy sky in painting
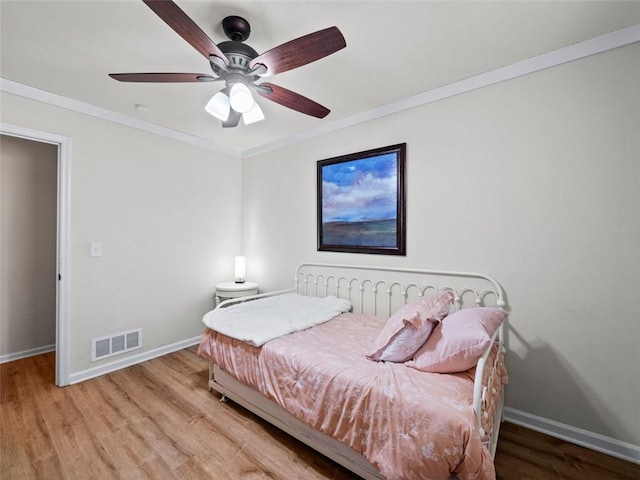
360	190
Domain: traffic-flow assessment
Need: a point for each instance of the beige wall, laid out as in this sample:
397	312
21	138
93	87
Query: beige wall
535	181
168	215
28	198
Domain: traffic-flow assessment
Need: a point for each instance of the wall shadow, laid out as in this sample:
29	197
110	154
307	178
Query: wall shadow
555	390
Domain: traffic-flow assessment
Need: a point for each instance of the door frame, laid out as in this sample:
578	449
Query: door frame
63	252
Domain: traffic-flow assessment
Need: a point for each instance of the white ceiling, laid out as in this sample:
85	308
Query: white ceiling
395	50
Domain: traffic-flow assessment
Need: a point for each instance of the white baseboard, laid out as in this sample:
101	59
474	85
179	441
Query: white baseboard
131	360
584	438
10	357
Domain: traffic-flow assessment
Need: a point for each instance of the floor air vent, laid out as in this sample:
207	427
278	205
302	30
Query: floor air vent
116	344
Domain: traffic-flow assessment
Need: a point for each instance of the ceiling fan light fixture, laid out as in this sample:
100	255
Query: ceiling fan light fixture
240	98
219	106
254	115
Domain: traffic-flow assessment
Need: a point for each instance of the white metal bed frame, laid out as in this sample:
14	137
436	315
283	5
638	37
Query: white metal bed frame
380	292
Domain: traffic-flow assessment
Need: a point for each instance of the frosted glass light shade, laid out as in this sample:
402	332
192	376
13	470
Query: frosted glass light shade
254	115
241	269
219	106
241	98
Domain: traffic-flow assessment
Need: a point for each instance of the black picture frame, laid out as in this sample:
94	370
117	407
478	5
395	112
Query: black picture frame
361	202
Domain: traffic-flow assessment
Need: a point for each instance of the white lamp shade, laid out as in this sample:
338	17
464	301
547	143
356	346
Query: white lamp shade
254	115
241	98
219	106
241	269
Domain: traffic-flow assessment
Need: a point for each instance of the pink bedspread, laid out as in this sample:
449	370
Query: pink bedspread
408	424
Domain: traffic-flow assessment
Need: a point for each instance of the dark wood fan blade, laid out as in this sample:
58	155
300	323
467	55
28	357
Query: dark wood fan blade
292	100
300	51
232	121
162	77
179	21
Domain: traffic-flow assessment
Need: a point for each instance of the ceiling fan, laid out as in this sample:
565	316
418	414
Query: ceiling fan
240	66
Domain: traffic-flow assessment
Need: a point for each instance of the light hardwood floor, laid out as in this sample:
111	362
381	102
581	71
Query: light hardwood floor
157	420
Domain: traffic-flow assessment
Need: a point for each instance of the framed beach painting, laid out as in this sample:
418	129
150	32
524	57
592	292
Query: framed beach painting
361	202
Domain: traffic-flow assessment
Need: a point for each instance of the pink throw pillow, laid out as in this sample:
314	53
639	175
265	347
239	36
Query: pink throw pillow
408	328
459	341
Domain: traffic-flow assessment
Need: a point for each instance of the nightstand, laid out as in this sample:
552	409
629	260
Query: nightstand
227	290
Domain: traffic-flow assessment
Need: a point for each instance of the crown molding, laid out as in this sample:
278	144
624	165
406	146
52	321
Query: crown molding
593	46
32	93
577	51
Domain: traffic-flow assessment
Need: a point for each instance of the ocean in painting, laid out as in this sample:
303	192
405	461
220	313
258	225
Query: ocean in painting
366	233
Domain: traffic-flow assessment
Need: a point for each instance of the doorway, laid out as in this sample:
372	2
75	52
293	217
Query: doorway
59	271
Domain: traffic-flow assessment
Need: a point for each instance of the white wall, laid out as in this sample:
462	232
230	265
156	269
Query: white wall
535	181
154	203
28	180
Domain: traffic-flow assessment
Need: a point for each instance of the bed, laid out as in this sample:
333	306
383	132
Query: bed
380	419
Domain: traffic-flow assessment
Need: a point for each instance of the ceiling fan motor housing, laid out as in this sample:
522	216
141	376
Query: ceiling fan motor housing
239	56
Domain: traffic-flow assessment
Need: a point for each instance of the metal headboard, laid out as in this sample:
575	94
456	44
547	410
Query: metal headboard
381	290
